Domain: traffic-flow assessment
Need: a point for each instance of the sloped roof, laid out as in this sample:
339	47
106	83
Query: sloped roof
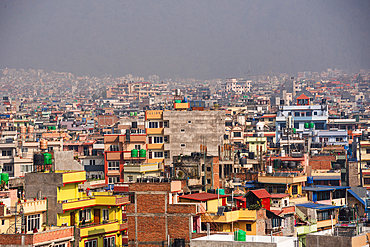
261	193
303	97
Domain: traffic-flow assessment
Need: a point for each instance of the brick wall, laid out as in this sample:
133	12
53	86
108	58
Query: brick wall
149	187
216	173
2	208
52	235
152	218
15	239
183	182
321	162
260	222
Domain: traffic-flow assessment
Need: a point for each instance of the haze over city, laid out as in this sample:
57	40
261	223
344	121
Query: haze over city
198	39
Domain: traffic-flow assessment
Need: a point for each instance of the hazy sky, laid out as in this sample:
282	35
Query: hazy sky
202	39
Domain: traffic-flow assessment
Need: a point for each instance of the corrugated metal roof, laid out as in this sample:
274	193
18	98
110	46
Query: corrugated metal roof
261	193
202	196
356	196
325	188
317	206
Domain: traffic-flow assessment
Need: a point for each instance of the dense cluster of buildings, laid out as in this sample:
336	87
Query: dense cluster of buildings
268	161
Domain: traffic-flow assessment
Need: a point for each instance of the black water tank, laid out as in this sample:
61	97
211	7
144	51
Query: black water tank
179	242
243	161
38	159
285	164
292	164
251	155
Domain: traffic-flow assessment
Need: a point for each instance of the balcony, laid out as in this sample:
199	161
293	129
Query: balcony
155	146
74	177
98	228
303	230
141	168
154	131
227	217
154	115
281	178
91	201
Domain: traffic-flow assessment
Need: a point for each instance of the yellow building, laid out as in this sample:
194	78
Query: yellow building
154	126
281	183
98	215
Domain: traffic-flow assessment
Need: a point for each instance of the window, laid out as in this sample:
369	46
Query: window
92	162
24	150
91	243
182	131
338	139
308	114
85	214
271	119
109	242
94	152
208	169
368	151
60	245
325	195
275	201
114	148
50	149
138	147
113	165
2	222
182	145
296	114
366	180
324	215
295	189
315	113
106	214
237	134
189	122
33	221
130	178
7	168
26	168
270	190
208	181
248	227
153	125
158	154
165	124
7	153
226	137
319	126
296	125
158	139
113	180
166	154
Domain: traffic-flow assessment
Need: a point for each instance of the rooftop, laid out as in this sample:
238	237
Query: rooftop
203	196
317	206
325	188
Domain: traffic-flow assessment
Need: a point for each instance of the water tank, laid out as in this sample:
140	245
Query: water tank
48	159
43	144
131	114
31	129
135	114
309	180
243	161
285	164
185	100
177	92
294	130
276	163
177	101
5	177
38	159
134	153
269	169
53	127
251	155
142	153
220	191
292	164
179	242
306	125
23	129
240	235
312	125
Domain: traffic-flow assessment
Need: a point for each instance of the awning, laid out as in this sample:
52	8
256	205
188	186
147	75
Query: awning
356	196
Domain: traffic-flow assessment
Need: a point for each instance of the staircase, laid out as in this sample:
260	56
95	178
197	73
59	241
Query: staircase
300	214
11	229
208	219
